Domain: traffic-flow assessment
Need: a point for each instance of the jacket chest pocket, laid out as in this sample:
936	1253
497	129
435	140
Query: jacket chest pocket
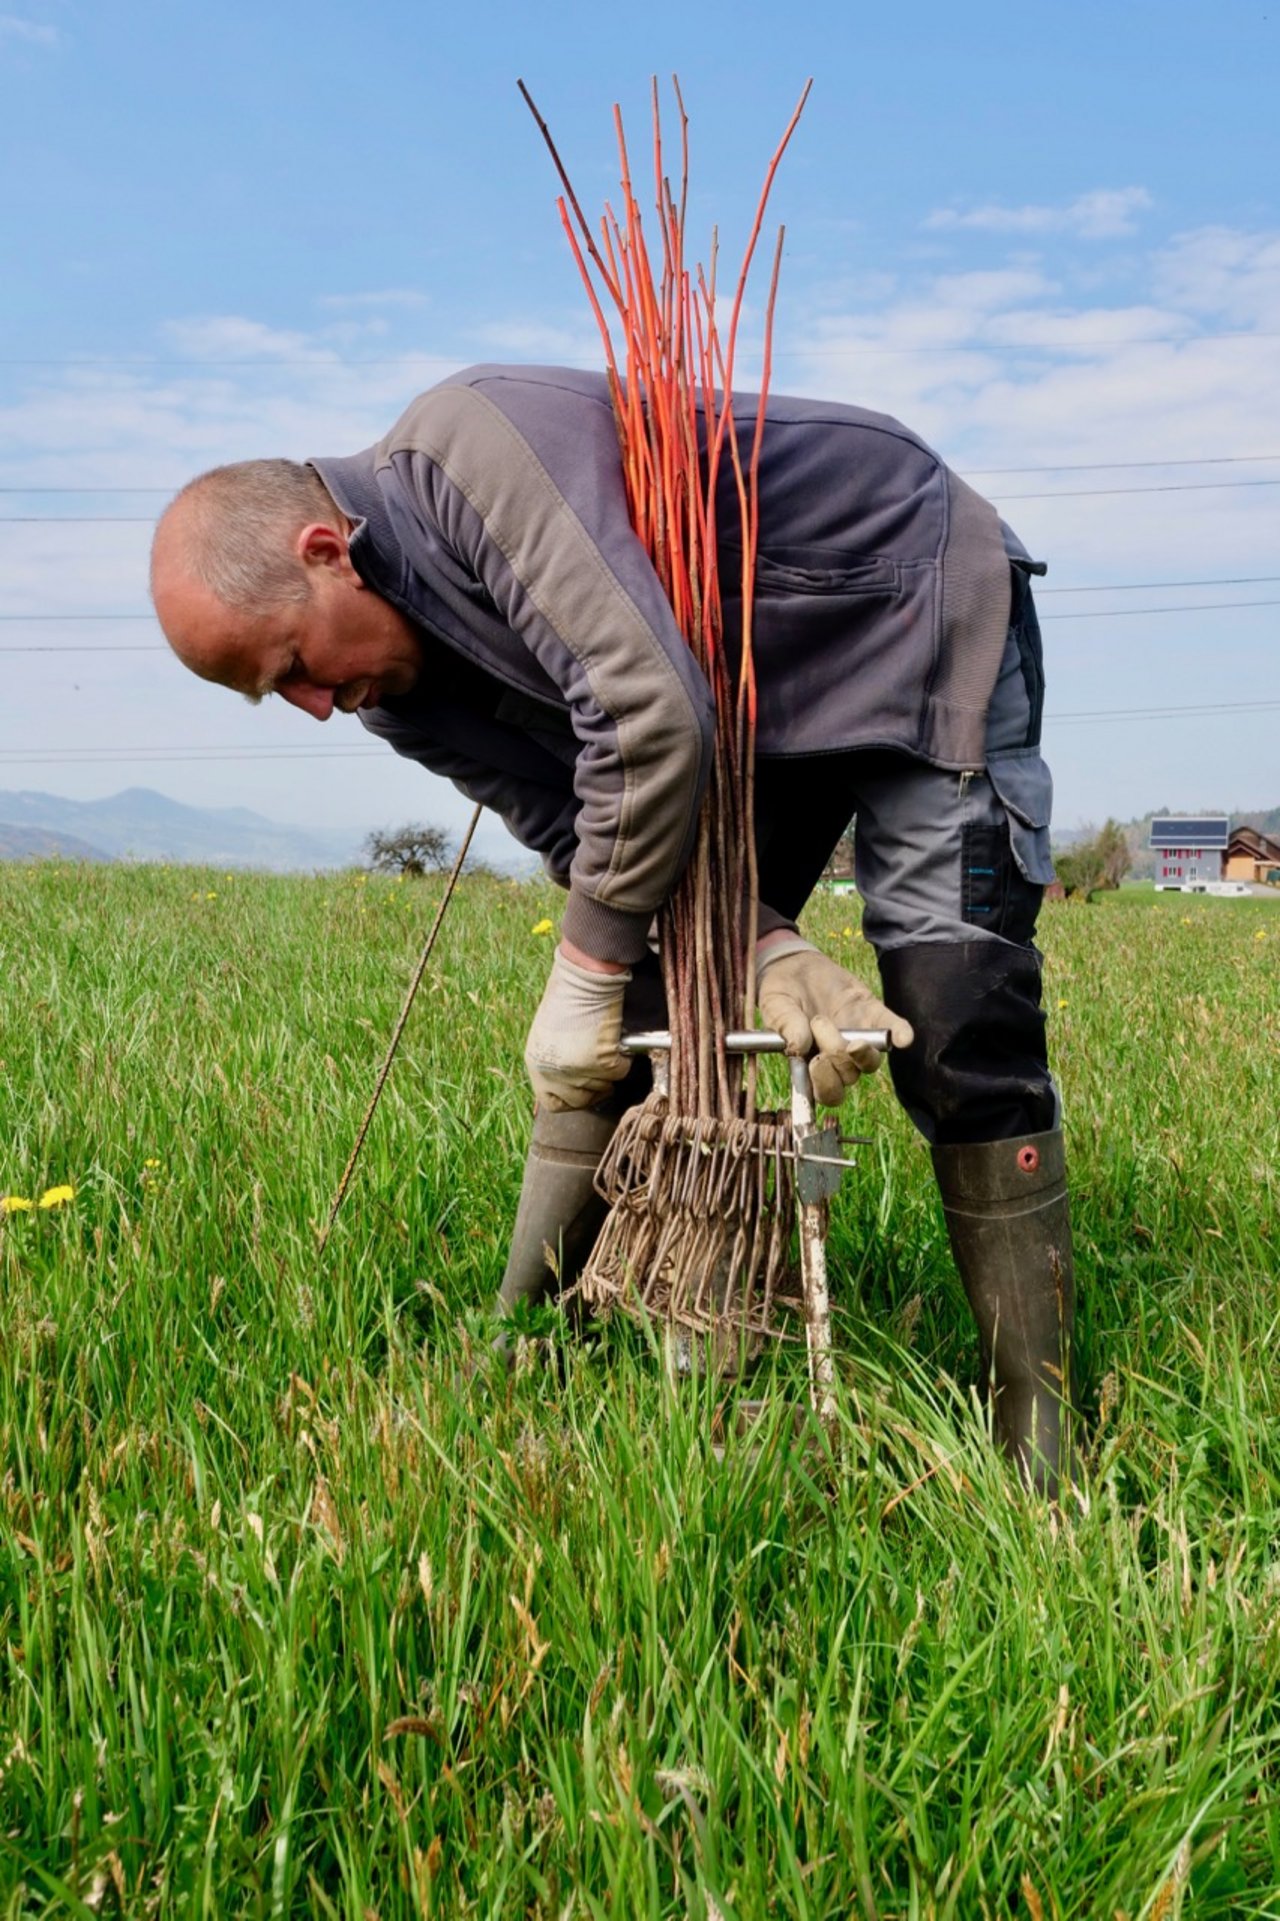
823	573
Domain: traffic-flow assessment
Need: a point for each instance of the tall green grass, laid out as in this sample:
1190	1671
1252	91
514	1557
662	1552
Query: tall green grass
307	1608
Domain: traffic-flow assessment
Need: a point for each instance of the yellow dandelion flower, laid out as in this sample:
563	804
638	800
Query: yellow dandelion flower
847	933
211	895
56	1196
1261	934
1062	1003
541	927
14	1204
151	1161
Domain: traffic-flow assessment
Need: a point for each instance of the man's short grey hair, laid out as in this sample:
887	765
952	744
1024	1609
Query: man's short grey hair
237	528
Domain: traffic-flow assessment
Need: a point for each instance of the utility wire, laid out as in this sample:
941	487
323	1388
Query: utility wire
1135	613
1100	613
19	757
855	350
13	757
1061	466
1108	587
1052	467
250	750
1173	487
1106	717
1074	493
1100	587
142	647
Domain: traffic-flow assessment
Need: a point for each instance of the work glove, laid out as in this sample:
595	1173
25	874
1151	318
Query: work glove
572	1053
808	999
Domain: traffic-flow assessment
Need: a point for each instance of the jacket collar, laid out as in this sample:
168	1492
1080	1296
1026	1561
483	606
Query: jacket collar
375	552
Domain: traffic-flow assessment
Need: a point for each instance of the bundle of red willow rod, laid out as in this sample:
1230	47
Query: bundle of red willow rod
671	384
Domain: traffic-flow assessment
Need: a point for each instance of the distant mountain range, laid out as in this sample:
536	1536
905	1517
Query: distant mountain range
140	824
40	843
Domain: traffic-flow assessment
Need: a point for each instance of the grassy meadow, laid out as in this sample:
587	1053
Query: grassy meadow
302	1613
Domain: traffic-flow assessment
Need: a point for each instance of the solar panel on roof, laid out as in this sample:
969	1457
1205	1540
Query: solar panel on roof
1180	830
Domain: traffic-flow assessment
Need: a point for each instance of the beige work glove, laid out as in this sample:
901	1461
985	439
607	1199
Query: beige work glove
808	999
572	1052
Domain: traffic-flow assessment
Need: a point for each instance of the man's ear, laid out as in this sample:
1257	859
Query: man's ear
318	545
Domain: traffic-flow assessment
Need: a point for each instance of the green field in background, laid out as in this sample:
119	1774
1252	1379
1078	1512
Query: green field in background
300	1614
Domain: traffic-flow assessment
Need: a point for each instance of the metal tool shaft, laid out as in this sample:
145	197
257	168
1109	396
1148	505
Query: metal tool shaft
758	1041
811	1204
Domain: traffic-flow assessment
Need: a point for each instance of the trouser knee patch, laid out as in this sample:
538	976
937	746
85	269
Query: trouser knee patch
978	1068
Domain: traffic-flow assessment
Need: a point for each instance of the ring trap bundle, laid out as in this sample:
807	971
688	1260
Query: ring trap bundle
706	1192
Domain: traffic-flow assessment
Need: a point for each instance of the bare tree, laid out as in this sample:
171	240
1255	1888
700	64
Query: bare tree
412	850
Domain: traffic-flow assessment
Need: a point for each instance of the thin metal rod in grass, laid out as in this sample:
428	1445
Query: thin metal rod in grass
392	1045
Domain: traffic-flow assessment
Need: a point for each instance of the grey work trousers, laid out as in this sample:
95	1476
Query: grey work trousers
951	866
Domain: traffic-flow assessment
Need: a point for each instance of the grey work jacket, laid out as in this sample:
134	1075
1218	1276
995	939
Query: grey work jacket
558	689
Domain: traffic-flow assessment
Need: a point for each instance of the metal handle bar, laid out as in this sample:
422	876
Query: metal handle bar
758	1041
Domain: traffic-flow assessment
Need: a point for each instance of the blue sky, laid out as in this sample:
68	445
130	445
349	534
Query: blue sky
1047	237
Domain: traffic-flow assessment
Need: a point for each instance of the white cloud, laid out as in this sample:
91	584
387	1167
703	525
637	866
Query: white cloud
542	341
1221	272
31	33
1104	214
231	338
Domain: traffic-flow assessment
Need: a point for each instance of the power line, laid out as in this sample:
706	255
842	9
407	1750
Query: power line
1173	487
1197	712
178	483
1107	587
252	750
1134	613
1101	587
145	758
1076	493
1100	613
142	647
16	757
1052	467
856	350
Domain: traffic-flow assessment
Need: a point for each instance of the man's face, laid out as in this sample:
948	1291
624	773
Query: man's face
343	647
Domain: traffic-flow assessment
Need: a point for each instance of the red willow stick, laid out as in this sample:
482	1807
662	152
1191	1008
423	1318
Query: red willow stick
674	360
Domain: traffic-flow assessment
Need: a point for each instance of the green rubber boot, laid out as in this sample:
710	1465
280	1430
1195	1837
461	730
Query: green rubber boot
1007	1217
560	1214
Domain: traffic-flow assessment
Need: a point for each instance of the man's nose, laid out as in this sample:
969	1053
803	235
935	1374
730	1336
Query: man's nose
316	701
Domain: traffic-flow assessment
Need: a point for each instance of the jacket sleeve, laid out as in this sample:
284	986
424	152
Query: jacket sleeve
573	582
